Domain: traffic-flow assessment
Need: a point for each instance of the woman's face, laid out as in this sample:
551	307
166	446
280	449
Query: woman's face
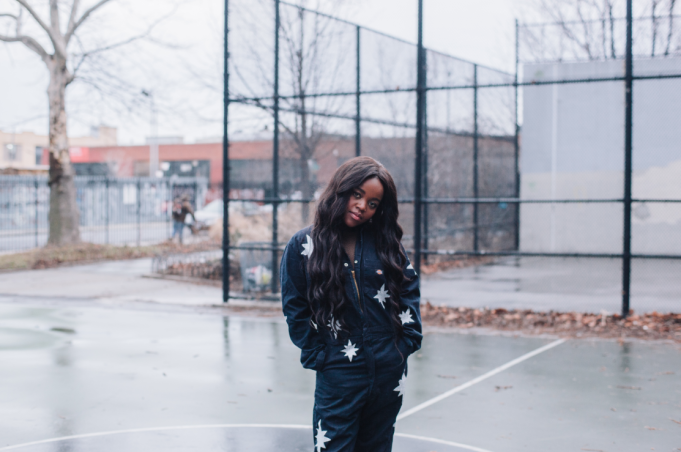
363	203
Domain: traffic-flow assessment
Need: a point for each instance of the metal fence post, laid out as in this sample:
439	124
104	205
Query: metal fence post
476	193
358	137
516	142
425	206
169	207
106	206
628	129
420	113
139	211
275	154
225	163
37	218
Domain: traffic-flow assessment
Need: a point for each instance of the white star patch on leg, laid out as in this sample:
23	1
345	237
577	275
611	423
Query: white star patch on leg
321	437
401	387
334	326
308	247
350	350
406	317
381	295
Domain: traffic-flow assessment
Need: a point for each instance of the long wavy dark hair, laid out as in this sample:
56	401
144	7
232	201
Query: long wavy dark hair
325	266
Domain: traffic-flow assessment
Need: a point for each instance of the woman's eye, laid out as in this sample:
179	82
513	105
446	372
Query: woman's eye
373	205
357	195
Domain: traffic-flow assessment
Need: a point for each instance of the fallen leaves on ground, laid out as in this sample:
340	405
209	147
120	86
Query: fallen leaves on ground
570	324
460	262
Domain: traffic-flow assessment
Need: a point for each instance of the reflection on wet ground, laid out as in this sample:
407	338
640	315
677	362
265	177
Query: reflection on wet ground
72	370
559	284
217	438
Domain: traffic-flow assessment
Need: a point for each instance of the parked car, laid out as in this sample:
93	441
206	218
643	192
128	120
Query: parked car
212	212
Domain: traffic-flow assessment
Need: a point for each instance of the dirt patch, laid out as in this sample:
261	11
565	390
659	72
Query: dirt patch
51	257
653	326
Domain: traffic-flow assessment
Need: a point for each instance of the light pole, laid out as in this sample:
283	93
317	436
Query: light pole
153	139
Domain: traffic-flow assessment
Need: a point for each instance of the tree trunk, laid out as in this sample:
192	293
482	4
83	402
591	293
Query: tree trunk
64	217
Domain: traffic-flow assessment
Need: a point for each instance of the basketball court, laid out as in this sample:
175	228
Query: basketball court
82	375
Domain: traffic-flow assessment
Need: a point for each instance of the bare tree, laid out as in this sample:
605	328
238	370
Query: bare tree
592	29
310	64
63	56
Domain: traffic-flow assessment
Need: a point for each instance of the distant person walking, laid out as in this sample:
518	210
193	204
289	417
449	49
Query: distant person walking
351	300
181	208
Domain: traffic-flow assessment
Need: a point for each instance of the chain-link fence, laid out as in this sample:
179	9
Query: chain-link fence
117	211
565	171
600	134
338	90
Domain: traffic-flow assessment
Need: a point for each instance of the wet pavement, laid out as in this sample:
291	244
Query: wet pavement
559	284
79	367
109	282
584	285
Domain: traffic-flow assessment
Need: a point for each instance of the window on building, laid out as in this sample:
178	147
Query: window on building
12	151
39	150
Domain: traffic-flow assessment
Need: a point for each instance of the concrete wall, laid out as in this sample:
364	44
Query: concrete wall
573	148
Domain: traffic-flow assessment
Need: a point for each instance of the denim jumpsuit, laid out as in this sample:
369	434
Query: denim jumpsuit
362	367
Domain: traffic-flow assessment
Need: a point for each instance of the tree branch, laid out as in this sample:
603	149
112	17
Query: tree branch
56	40
28	42
72	29
54	16
83	56
9	15
72	16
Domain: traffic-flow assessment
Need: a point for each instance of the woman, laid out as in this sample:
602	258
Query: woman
351	301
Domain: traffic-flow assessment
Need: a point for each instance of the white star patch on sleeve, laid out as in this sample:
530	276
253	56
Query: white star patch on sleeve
308	247
411	267
321	437
406	317
334	326
314	325
381	295
350	350
401	387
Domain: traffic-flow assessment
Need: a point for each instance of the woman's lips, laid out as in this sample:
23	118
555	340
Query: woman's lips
355	216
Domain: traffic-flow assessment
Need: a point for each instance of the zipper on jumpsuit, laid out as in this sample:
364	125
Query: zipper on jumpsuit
354	279
359	298
370	363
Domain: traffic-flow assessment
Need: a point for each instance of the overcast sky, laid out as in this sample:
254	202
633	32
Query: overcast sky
480	31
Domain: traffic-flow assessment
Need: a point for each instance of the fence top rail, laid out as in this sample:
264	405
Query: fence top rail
467	86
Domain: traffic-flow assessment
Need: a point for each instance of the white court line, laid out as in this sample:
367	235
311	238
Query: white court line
192	427
477	380
296	426
441	441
